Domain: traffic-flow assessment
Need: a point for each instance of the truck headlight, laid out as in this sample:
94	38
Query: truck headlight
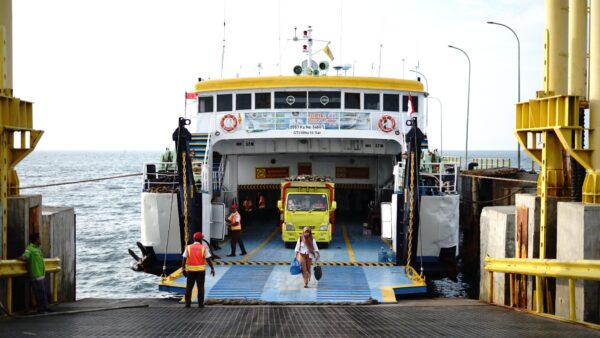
323	227
289	227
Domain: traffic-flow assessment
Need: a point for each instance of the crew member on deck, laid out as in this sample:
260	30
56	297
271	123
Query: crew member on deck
168	160
195	257
247	205
262	206
235	225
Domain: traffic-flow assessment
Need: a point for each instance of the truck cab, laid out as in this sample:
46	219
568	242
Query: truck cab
307	204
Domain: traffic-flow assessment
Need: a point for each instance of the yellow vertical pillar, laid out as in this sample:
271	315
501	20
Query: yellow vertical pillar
6	79
591	185
577	47
6	90
557	16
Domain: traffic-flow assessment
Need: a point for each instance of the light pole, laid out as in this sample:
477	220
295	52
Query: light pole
518	79
426	94
468	99
441	125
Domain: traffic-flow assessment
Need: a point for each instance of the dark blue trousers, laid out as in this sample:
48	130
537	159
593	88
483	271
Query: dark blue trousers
39	290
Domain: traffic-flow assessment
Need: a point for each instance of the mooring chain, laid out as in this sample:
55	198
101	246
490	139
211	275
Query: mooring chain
185	201
410	207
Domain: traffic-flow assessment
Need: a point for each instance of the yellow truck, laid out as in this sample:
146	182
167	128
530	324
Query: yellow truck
307	201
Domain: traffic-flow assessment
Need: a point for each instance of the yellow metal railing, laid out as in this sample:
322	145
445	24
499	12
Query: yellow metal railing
14	268
452	159
491	162
543	268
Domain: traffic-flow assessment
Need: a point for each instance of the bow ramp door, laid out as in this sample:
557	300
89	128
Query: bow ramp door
217	221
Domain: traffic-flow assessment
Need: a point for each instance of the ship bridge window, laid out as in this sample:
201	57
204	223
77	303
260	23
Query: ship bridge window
372	102
262	101
352	100
415	103
243	101
324	100
288	100
224	102
205	104
391	102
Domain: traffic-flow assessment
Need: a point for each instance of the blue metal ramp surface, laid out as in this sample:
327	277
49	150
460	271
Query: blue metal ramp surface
351	272
241	282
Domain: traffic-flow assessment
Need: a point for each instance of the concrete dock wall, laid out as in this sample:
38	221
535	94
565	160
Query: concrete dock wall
58	226
497	240
532	203
578	228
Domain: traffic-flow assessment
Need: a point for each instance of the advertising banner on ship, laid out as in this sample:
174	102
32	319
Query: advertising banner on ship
302	120
355	121
322	120
259	121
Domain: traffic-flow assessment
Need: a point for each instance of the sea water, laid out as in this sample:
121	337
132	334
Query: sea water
108	214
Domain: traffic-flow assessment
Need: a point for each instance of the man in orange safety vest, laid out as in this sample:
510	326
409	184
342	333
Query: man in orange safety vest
235	227
195	257
247	208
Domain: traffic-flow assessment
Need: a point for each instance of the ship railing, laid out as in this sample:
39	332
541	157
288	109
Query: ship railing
436	178
206	173
491	162
218	176
160	177
452	159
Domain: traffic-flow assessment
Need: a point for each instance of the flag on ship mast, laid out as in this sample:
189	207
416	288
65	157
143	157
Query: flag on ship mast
411	106
191	96
328	52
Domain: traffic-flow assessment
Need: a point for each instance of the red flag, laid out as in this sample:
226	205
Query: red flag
191	96
411	108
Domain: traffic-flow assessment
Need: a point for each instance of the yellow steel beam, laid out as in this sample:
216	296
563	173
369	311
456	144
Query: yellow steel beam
4	190
16	268
591	185
581	269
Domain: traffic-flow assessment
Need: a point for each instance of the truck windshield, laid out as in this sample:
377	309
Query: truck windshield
307	202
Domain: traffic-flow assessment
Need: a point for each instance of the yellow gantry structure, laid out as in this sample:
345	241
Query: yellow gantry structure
549	128
17	136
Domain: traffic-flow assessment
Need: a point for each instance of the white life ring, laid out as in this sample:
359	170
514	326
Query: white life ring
229	122
387	123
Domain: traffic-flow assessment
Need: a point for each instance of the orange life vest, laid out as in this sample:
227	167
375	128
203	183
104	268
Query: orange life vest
195	257
235	225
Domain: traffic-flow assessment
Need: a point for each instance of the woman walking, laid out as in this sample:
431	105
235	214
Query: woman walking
305	248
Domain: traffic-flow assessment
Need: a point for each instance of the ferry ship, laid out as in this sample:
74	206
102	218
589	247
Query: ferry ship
250	134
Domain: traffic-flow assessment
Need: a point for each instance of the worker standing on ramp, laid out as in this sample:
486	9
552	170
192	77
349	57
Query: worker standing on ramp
195	257
235	225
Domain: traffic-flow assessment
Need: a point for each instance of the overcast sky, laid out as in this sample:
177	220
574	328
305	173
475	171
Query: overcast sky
111	74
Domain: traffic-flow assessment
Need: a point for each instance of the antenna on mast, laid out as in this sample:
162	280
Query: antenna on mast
379	71
223	53
279	30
